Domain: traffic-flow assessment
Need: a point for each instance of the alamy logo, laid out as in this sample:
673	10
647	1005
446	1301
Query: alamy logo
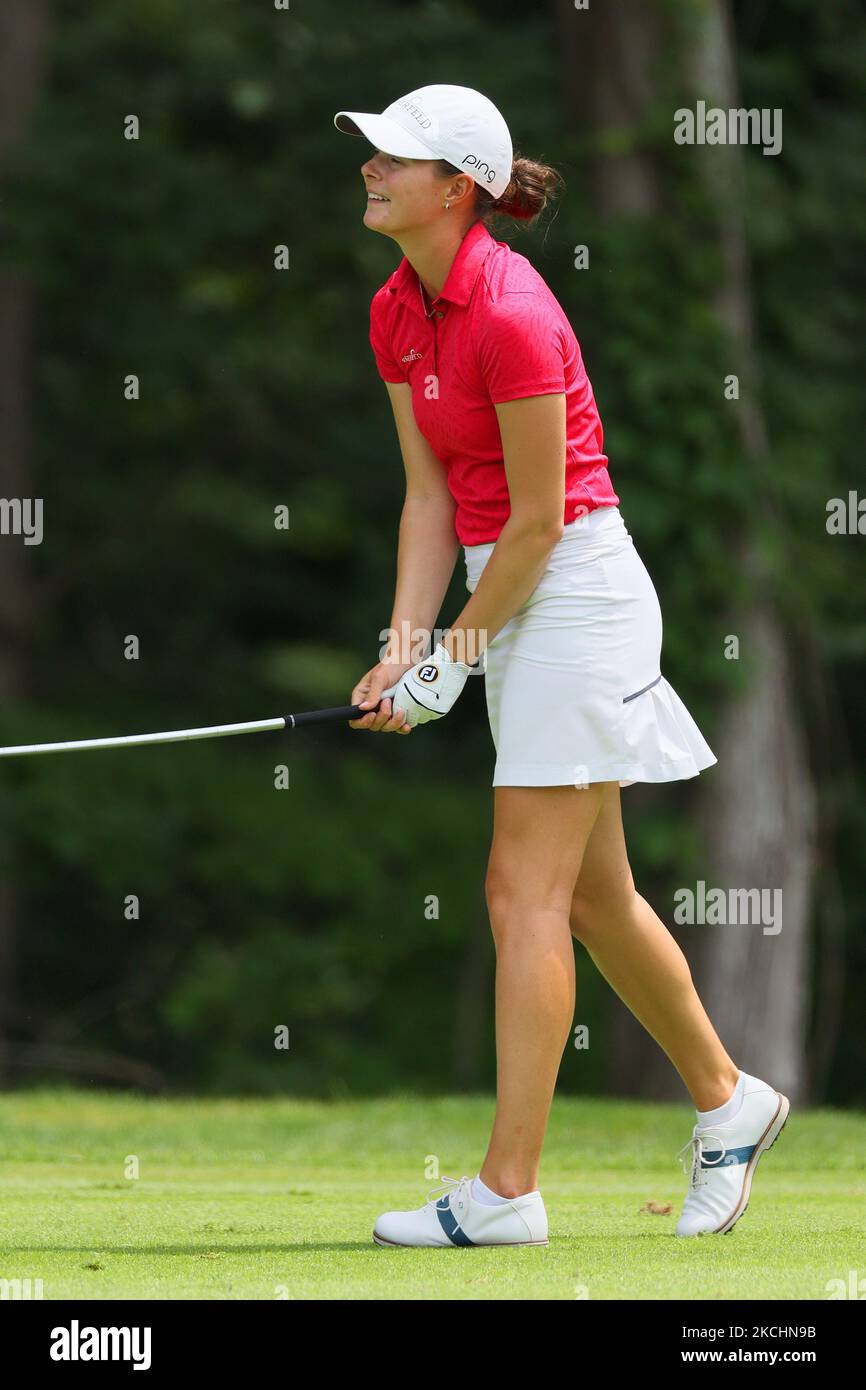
22	516
734	127
412	356
76	1343
21	1288
729	907
479	165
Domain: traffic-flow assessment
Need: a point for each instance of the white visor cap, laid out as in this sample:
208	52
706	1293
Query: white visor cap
441	122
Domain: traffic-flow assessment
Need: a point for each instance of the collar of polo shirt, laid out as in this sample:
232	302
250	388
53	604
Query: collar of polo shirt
465	269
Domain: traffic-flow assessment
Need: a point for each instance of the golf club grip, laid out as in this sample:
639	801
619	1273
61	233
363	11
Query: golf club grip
327	716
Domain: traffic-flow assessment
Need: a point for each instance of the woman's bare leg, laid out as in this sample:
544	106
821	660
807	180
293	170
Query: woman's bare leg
538	842
642	962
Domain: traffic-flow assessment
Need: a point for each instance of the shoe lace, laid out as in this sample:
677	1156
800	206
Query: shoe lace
698	1157
449	1185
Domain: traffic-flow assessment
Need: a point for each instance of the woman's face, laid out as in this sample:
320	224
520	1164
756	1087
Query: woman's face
413	191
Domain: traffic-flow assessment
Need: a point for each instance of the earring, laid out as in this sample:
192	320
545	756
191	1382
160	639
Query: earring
447	205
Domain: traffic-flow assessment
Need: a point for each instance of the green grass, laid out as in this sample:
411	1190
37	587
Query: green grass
257	1199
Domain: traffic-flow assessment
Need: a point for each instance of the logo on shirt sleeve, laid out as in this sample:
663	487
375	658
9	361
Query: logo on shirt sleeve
412	356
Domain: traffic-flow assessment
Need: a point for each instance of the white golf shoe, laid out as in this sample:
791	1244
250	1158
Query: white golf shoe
456	1218
723	1159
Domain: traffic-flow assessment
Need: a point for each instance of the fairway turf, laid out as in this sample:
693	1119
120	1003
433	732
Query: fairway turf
269	1199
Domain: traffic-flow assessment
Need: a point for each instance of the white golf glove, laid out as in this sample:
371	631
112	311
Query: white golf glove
430	689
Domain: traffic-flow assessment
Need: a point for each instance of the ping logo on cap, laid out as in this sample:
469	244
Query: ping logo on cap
480	165
428	673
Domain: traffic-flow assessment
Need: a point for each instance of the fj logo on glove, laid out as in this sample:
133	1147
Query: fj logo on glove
413	691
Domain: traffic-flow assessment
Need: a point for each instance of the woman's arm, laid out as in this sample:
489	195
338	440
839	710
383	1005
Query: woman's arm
428	544
533	449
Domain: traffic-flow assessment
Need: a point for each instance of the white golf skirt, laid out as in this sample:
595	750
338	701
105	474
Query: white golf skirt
574	687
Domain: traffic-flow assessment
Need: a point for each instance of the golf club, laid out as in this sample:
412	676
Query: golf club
257	726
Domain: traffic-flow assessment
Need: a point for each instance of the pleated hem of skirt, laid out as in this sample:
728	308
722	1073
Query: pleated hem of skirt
660	742
547	775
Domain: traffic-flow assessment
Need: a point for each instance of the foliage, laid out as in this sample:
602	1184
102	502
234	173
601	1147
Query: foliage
156	257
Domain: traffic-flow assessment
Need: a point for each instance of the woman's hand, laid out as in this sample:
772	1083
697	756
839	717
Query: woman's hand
429	689
368	692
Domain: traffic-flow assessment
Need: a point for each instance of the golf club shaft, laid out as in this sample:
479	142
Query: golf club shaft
338	715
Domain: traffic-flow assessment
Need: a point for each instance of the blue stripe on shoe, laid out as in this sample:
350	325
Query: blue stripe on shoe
731	1156
449	1224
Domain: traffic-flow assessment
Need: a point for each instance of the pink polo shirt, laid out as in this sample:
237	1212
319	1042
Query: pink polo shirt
497	333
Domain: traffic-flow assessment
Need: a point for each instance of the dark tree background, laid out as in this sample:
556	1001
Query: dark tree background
163	910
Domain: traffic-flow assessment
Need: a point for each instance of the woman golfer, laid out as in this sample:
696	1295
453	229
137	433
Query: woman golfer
502	448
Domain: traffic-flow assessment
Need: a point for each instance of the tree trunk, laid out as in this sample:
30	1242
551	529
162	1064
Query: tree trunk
756	808
759	816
